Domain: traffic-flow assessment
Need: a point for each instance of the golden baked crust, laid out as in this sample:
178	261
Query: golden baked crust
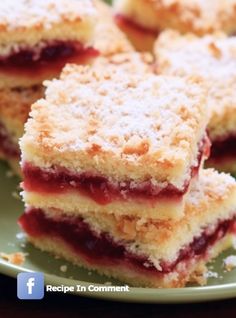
213	57
199	17
108	38
122	125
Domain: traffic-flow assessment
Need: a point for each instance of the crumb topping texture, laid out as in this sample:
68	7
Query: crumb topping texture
212	57
22	14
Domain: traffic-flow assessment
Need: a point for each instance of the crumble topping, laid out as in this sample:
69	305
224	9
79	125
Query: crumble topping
114	41
213	58
17	258
135	97
22	14
63	268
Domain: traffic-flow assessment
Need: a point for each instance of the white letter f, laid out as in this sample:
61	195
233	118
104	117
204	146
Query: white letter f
30	284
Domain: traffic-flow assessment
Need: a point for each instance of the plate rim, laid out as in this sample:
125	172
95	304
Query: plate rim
136	294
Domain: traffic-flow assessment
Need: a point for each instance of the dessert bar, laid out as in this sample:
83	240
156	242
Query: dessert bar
109	140
37	38
213	57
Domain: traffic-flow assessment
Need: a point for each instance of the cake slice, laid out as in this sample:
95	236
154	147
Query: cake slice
15	106
110	140
139	251
143	20
212	57
37	38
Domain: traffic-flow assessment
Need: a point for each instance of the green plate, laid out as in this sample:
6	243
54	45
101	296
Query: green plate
11	241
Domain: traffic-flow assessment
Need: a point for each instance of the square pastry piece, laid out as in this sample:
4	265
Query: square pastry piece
140	251
212	57
15	106
37	38
143	20
108	140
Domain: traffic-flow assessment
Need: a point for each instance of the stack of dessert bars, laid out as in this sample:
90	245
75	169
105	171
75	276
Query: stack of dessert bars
113	180
37	39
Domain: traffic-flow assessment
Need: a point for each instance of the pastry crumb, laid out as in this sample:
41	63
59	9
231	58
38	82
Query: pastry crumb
230	263
200	275
16	195
17	258
108	283
9	174
211	274
20	235
63	268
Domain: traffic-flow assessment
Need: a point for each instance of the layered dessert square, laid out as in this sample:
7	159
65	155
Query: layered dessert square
15	106
109	140
143	20
212	57
37	38
142	251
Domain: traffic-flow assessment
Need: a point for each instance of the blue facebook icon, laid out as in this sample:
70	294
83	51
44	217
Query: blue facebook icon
30	285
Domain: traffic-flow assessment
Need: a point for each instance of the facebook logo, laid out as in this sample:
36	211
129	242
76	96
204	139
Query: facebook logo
30	286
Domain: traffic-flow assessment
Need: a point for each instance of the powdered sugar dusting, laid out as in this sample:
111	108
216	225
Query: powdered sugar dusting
215	189
212	57
117	111
15	14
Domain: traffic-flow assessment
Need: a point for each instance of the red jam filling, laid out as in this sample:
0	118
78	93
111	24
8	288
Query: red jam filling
58	180
52	56
7	146
98	188
125	22
225	148
102	249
